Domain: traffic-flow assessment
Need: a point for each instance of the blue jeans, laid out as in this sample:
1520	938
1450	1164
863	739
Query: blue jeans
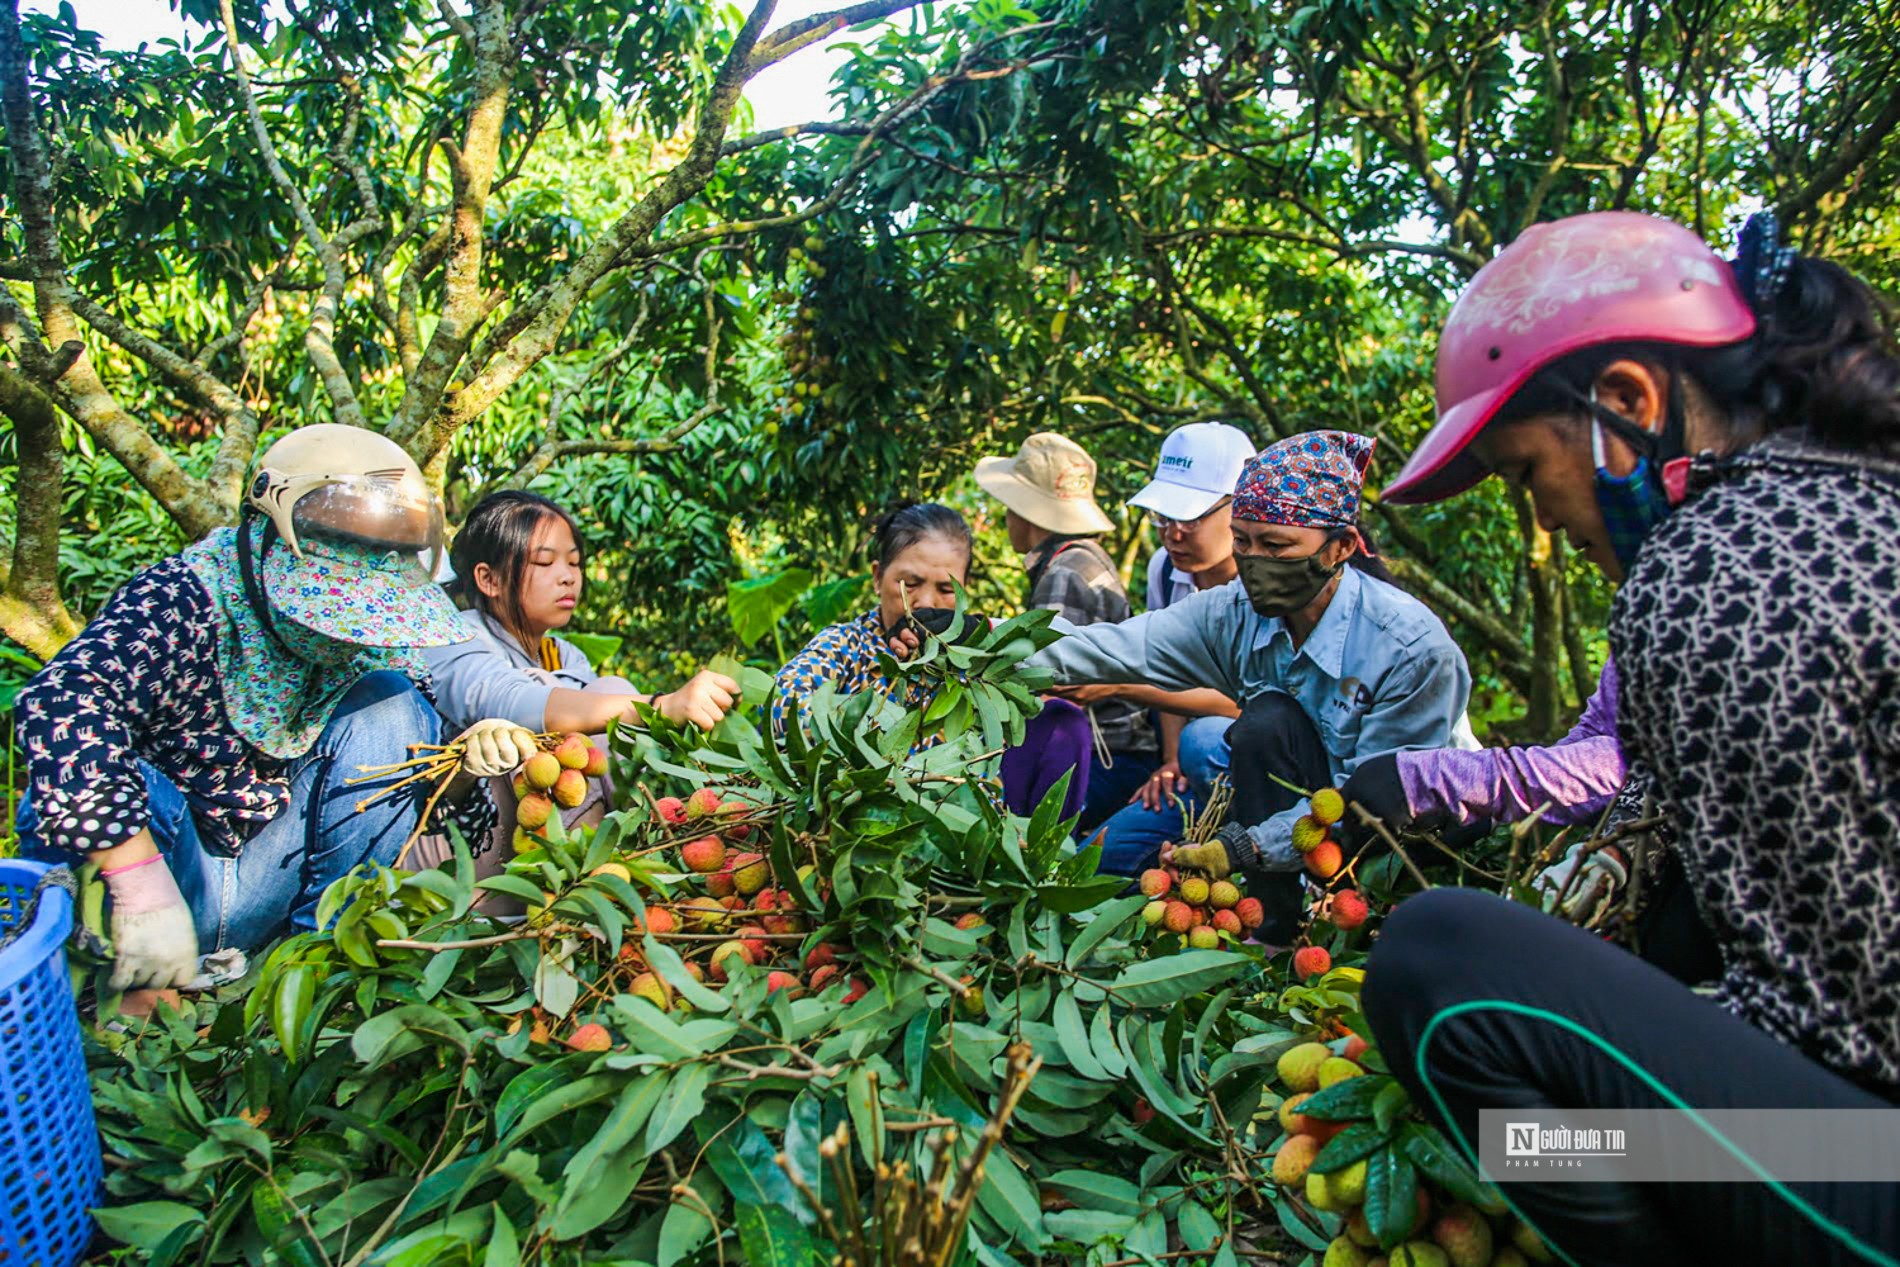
320	836
1110	787
1132	837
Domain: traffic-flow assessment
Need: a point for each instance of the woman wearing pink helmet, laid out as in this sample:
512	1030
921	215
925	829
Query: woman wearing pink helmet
1722	438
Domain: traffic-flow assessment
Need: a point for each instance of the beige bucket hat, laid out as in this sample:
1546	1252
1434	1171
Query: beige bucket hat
1050	482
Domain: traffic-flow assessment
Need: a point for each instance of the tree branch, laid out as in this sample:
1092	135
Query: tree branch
32	611
320	336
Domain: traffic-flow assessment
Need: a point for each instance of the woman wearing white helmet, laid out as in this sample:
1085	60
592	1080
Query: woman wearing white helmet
1722	437
194	739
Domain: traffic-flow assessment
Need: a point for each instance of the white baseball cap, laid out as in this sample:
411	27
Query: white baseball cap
1200	464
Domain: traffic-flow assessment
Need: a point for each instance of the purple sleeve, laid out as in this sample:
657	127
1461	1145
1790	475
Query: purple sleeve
1577	776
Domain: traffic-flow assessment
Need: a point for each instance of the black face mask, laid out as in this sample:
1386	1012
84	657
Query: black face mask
1280	587
938	621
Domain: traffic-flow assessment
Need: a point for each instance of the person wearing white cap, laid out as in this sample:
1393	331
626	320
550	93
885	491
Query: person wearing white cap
1048	489
1189	502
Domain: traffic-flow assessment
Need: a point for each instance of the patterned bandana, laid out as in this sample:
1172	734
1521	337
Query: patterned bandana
1311	480
280	702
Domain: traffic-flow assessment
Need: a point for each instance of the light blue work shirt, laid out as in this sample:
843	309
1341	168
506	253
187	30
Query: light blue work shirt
1379	673
491	675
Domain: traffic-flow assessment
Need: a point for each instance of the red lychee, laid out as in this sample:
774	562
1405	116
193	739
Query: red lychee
592	1036
671	809
704	855
1155	882
1179	917
1252	915
1348	909
1311	961
703	803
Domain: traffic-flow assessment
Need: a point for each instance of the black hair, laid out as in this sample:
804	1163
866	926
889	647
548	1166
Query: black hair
1823	357
1363	559
907	523
500	531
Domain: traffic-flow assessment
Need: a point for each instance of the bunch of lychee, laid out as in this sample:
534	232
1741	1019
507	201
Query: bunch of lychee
1311	833
737	897
1198	909
554	778
1459	1235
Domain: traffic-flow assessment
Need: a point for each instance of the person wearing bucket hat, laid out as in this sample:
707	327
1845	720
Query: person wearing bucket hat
1048	489
1721	436
195	738
1330	664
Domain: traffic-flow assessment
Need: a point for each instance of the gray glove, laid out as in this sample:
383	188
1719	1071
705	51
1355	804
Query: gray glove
1602	873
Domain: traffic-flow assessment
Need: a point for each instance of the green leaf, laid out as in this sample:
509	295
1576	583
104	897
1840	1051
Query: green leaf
1389	1104
1347	1101
684	1100
1011	1200
597	1179
1097	1190
1073	1039
742	1156
543	1093
1199	1231
652	1032
390	1035
665	961
1426	1149
770	1237
867	1113
146	1223
760	602
555	986
1167	979
296	991
1102	1042
1391	1197
1360	1140
686	1225
504	1247
1109	920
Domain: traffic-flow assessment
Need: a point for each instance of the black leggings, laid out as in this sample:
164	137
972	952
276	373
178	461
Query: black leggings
1478	1002
1273	736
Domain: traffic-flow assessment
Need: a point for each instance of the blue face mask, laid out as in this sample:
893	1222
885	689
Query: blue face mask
1632	504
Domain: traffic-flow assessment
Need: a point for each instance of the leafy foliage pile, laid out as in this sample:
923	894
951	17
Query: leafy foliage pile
430	1082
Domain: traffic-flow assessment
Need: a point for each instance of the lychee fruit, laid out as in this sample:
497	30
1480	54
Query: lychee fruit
655	991
570	789
971	920
750	873
776	981
1348	910
1311	961
671	809
1294	1159
1204	938
1226	922
724	953
597	763
1337	1069
659	920
1179	917
1155	882
1342	1251
1291	1120
782	925
1464	1235
534	811
571	752
1356	1047
1194	890
719	883
1327	806
1222	894
704	855
821	955
1200	916
703	912
1528	1243
1142	1112
1298	1067
520	784
826	975
592	1036
1307	833
1252	914
702	804
1359	1230
859	988
971	1001
1417	1254
1325	861
1154	912
1346	1187
541	770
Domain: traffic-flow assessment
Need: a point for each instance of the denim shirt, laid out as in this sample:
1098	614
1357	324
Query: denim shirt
1379	673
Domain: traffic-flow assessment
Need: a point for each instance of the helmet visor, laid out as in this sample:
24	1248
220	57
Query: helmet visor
377	513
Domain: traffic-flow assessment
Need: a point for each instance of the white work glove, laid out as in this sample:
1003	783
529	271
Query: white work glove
153	934
1603	872
494	747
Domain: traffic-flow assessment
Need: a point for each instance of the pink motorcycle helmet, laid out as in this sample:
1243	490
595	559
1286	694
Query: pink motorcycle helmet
1605	277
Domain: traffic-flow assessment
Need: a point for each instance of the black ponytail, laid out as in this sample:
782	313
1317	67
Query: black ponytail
907	523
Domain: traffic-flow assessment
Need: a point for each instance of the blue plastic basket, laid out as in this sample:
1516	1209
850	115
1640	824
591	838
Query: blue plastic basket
49	1147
